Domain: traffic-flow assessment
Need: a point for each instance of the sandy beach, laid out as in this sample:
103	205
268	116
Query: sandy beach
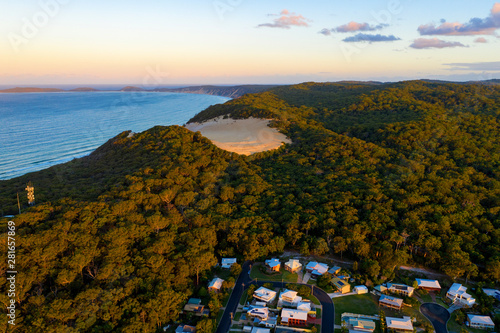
242	136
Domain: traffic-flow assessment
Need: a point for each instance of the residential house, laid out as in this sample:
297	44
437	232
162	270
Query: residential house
261	313
402	289
316	269
273	265
194	305
458	293
260	330
215	285
341	285
360	290
402	325
185	329
228	262
429	285
492	292
481	322
293	265
334	270
292	317
289	298
361	325
304	306
264	294
381	288
390	302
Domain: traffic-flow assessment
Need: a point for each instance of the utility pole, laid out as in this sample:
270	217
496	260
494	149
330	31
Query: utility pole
18	203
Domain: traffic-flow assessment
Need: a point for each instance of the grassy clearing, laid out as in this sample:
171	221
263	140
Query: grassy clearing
283	275
425	297
362	304
243	298
313	299
318	313
237	316
219	316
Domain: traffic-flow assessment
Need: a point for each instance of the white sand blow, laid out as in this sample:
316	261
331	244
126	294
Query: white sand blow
242	136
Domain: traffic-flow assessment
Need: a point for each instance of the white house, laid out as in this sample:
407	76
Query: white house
228	262
360	290
293	265
289	298
399	324
215	284
390	302
458	293
492	292
259	312
304	306
402	289
316	269
430	285
481	322
264	294
293	317
261	330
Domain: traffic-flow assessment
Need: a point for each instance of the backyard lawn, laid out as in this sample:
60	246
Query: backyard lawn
284	276
366	304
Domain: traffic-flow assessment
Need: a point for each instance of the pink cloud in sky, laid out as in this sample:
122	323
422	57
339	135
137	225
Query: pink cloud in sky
286	20
355	26
425	43
480	40
475	26
496	9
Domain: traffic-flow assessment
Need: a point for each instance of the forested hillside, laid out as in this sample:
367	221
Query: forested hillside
385	174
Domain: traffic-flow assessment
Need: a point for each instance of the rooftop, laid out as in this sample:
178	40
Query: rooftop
424	283
391	300
264	294
273	262
292	313
482	320
399	323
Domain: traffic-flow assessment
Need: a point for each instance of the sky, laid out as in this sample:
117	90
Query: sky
164	42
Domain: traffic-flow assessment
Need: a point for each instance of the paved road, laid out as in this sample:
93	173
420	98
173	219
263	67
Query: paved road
232	305
327	314
437	315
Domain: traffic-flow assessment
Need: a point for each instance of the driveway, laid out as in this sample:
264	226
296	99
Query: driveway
437	315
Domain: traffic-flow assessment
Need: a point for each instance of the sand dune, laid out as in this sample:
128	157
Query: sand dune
242	136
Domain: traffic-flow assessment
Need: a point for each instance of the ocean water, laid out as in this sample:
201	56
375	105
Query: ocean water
38	130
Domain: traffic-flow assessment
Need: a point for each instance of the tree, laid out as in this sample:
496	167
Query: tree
321	247
304	248
205	326
235	270
340	245
370	267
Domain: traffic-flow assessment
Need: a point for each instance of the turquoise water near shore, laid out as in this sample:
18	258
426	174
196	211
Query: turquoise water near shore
38	130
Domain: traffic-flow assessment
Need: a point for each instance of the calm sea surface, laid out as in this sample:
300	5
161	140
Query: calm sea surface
38	130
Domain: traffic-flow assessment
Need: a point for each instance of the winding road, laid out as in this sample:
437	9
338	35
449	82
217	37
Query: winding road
437	315
244	280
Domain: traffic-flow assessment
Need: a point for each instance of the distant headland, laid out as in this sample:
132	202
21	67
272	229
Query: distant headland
225	91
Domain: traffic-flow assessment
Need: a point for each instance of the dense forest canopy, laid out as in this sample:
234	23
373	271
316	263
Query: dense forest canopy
385	174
